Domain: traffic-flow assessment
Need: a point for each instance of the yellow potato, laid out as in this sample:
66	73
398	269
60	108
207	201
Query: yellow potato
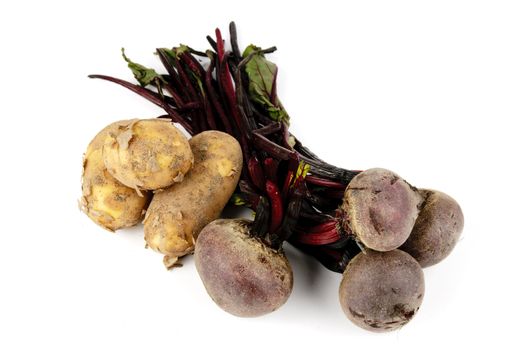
105	200
176	215
147	154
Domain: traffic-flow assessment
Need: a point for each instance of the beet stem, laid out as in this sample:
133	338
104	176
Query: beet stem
276	205
324	182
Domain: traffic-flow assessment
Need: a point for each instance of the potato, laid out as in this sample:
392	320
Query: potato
242	274
382	291
437	229
105	200
176	215
380	209
147	154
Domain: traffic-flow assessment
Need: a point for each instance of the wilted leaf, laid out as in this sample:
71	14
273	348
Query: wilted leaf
144	75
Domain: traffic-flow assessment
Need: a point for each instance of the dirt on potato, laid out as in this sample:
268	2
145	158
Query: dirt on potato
177	214
104	199
147	154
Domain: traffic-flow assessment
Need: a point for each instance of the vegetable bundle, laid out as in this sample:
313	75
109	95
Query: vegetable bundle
372	225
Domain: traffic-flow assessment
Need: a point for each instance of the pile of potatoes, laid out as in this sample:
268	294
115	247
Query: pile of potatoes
146	170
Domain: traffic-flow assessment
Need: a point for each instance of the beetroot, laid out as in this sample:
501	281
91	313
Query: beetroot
380	209
242	274
437	229
382	291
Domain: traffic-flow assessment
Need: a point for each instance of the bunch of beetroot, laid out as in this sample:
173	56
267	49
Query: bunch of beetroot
372	226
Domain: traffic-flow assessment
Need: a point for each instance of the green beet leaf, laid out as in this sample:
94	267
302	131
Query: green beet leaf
262	76
143	75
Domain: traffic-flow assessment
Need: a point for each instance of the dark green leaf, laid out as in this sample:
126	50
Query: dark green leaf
262	76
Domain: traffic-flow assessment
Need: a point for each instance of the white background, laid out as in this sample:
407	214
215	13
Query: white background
433	90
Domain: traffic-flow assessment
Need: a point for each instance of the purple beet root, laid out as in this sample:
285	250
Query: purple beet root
242	275
437	229
382	291
380	209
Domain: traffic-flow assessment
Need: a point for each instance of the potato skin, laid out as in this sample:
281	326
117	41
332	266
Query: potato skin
382	291
147	154
105	200
177	214
437	229
380	209
242	275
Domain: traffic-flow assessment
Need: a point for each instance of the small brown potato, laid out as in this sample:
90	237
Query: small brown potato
437	229
382	291
147	154
177	214
244	276
105	200
380	209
